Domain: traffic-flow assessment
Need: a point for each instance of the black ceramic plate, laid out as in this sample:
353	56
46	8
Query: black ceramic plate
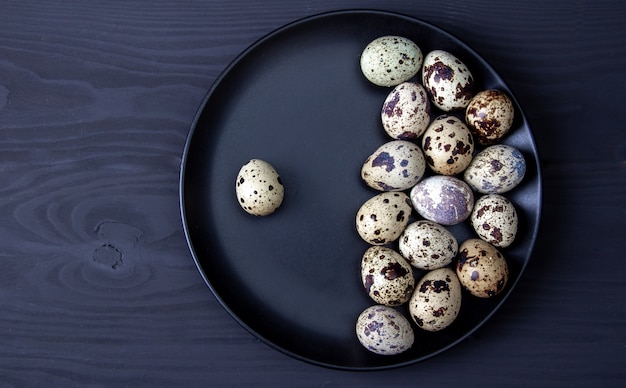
298	100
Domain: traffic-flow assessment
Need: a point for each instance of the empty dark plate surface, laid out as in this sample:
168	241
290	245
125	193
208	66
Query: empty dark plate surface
298	100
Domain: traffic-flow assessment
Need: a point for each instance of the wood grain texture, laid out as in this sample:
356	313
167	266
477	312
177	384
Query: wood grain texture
97	286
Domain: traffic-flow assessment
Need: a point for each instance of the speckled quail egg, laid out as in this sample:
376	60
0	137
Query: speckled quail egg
259	188
496	169
395	166
406	111
489	116
390	60
382	218
481	268
383	330
436	302
494	219
427	245
448	145
445	200
447	80
386	276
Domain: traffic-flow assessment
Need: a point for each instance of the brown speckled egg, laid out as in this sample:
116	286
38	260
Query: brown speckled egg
382	218
259	188
406	111
383	330
391	60
427	245
481	268
436	302
447	80
395	166
494	219
489	116
448	145
496	169
386	276
443	199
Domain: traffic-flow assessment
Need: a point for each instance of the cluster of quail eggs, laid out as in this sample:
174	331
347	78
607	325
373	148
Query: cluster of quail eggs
448	168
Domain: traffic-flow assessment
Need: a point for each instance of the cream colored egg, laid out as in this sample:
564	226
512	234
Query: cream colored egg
406	111
395	166
494	219
448	145
448	81
382	218
259	188
481	268
391	60
386	276
496	169
427	245
436	302
383	330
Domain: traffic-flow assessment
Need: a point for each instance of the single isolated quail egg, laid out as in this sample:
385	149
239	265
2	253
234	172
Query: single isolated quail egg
489	116
259	188
496	169
481	268
427	245
382	218
383	330
494	219
445	200
386	276
390	60
395	166
406	111
436	302
447	80
448	145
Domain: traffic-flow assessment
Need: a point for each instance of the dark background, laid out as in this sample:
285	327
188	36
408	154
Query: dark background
97	285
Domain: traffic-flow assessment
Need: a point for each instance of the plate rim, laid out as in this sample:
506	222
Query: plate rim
193	128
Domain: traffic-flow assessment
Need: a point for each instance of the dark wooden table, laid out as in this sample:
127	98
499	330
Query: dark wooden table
97	284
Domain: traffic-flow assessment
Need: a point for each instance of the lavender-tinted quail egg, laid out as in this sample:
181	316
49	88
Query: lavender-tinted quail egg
406	111
447	80
382	218
489	116
259	188
494	219
443	199
383	330
448	145
391	60
496	169
395	166
386	276
436	302
481	268
427	245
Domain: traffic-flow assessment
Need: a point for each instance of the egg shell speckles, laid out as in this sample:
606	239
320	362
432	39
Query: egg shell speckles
391	60
448	145
386	276
496	169
382	218
447	80
489	116
427	245
383	330
395	166
436	302
259	188
443	199
406	111
481	268
494	219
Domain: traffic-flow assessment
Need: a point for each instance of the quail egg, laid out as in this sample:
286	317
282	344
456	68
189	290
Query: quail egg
443	199
448	145
259	188
427	245
390	60
395	166
489	116
406	111
382	218
383	330
447	80
496	169
386	276
436	302
481	268
494	219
